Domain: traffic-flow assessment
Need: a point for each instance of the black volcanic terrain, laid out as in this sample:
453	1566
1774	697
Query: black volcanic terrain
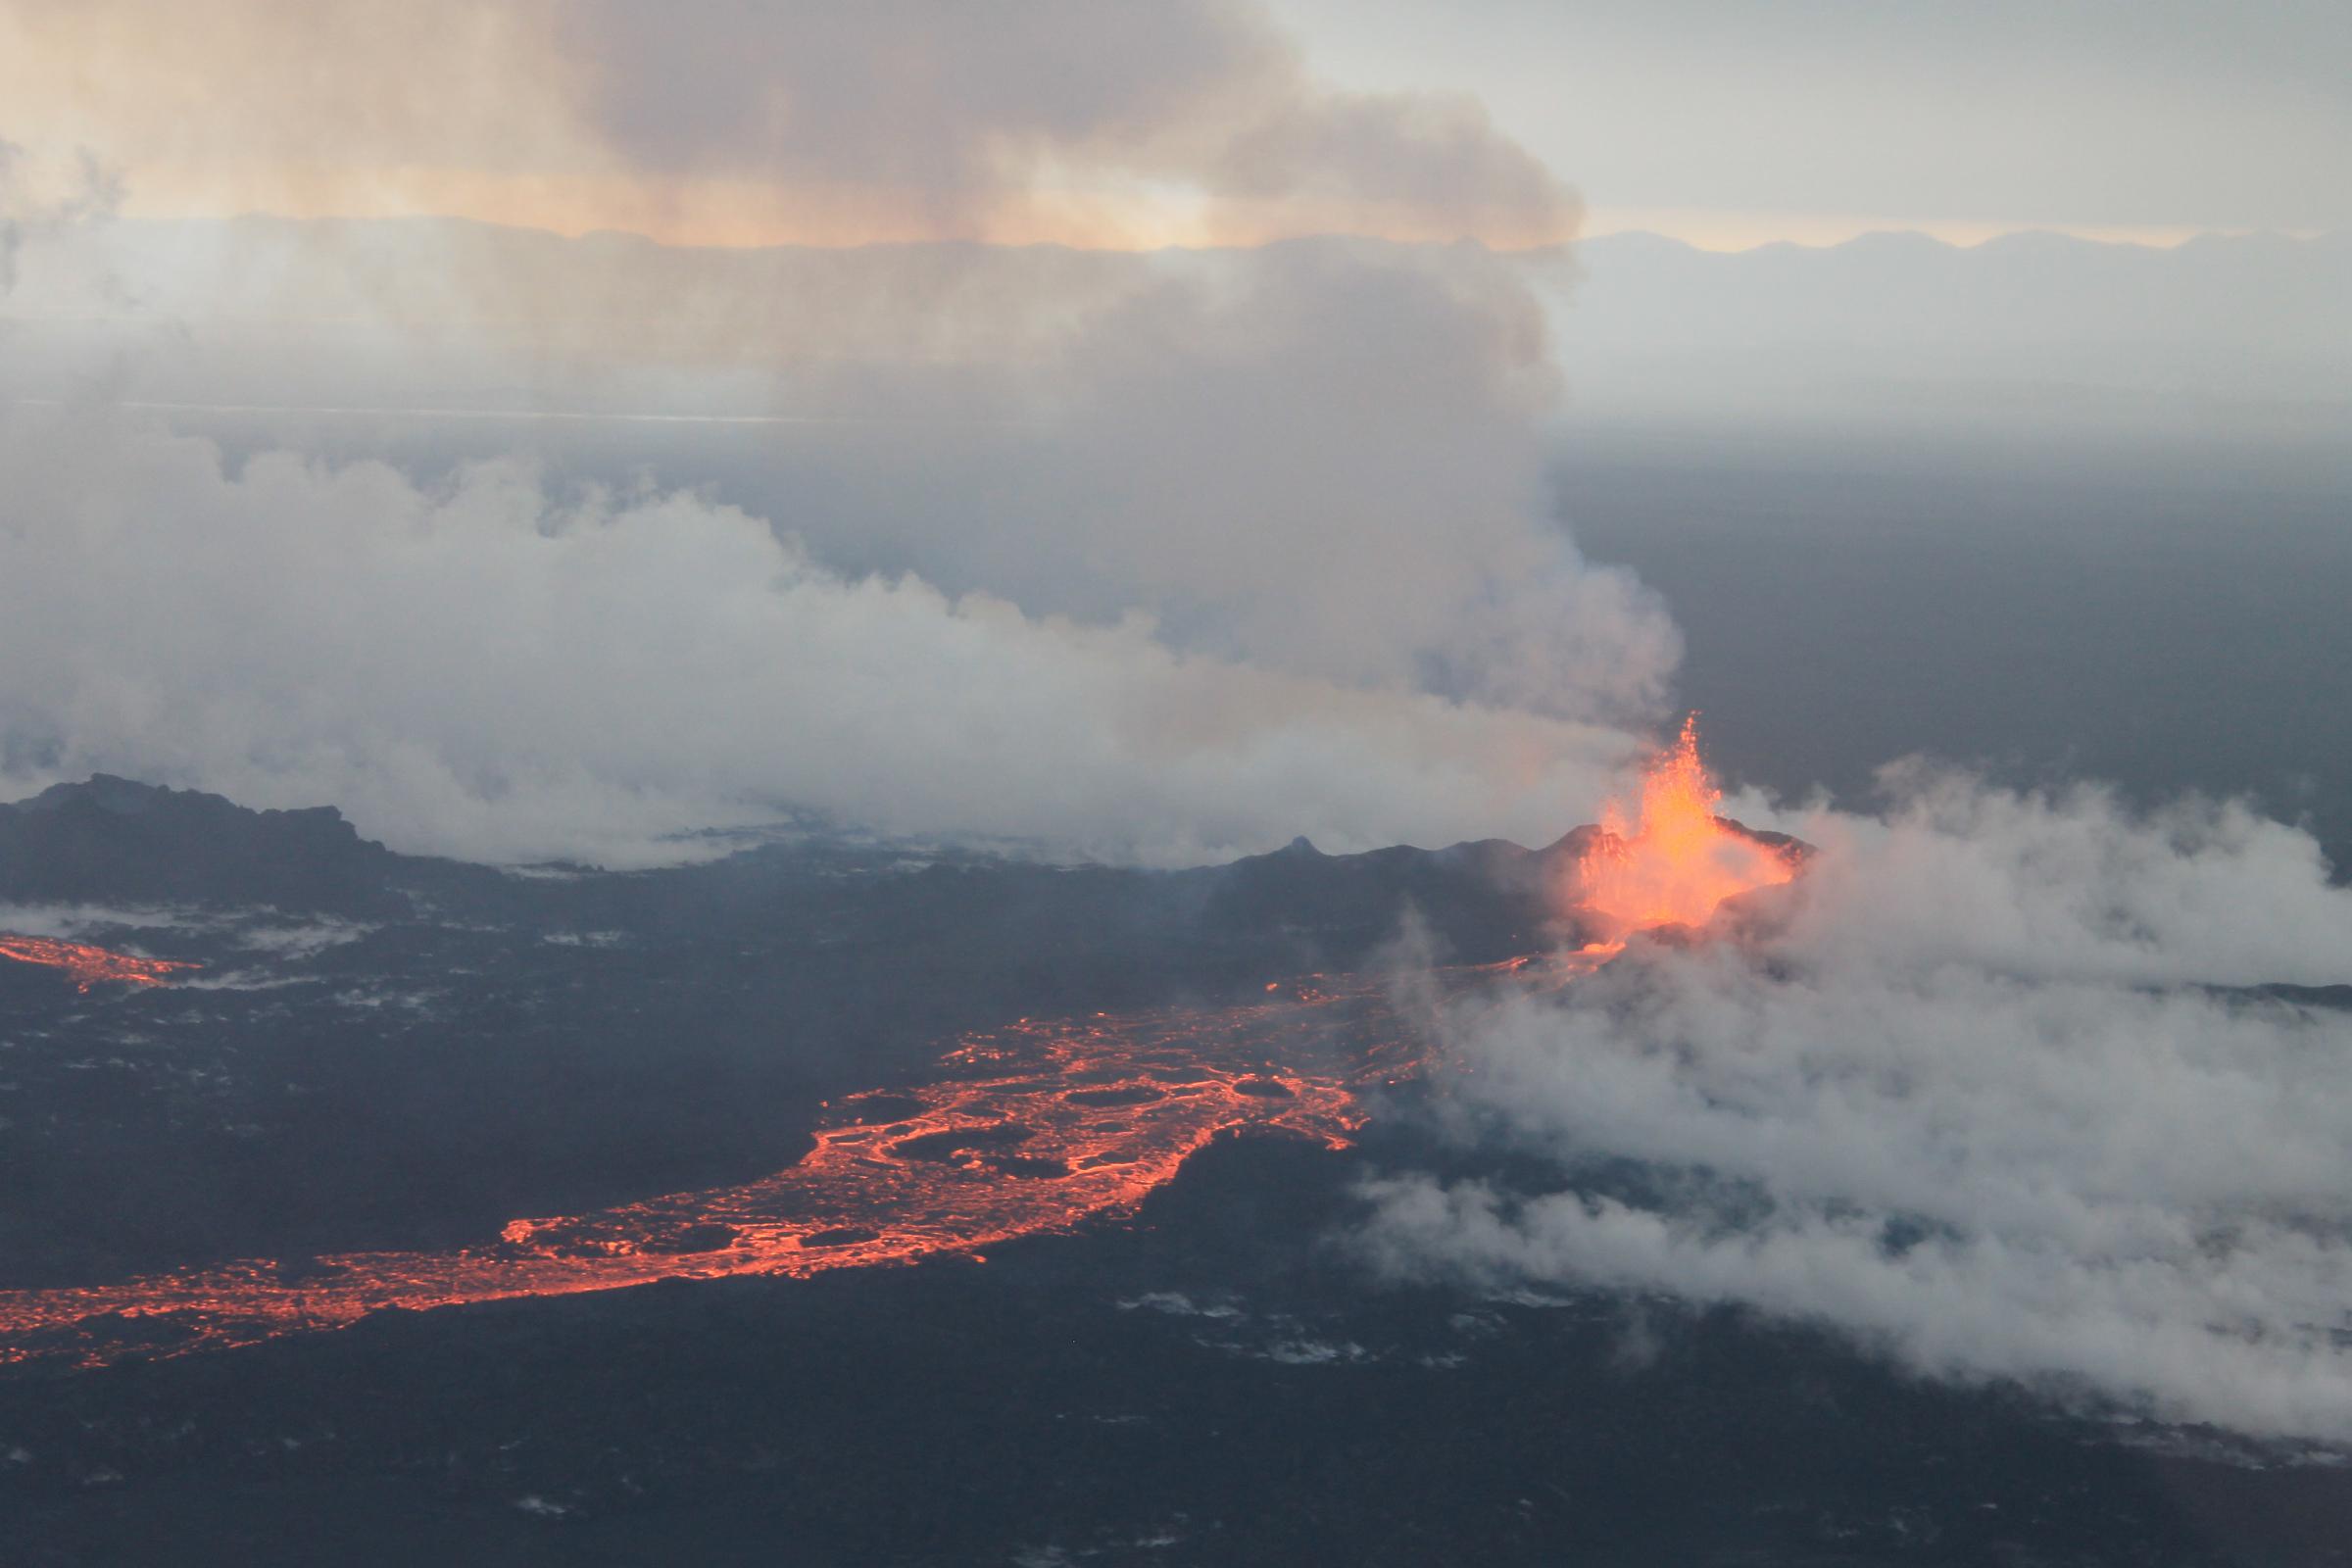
390	1052
382	1052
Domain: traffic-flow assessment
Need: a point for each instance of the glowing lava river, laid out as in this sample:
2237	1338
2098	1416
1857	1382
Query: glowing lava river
87	965
1029	1129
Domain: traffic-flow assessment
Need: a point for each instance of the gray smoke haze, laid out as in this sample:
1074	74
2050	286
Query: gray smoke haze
1247	546
1327	462
958	105
38	202
900	119
1970	1093
1158	557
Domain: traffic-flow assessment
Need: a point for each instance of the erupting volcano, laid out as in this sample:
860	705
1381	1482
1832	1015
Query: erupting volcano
1033	1128
87	965
1678	860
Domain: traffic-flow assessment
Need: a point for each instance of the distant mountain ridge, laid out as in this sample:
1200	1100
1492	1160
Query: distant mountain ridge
116	842
2022	324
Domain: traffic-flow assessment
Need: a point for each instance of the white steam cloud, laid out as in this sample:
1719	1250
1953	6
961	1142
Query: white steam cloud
485	669
1978	1093
1209	552
1157	557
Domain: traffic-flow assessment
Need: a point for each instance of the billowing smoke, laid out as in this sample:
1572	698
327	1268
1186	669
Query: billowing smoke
1992	1088
1321	459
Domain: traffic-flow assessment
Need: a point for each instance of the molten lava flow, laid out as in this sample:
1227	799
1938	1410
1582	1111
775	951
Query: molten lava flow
88	964
1025	1130
1681	859
1029	1129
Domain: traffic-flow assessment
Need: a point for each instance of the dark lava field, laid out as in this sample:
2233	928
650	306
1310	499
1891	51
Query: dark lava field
385	1054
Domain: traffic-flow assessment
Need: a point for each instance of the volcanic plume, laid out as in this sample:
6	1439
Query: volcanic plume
1678	859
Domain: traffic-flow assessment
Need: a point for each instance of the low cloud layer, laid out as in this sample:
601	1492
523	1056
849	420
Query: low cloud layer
1200	556
1976	1092
486	669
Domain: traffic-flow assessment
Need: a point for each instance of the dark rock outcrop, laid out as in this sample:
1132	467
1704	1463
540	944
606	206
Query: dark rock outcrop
112	840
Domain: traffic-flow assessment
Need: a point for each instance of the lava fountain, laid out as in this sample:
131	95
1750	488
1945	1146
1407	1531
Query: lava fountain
1677	860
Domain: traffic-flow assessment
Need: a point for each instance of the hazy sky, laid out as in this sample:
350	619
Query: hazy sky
1736	121
729	121
1722	122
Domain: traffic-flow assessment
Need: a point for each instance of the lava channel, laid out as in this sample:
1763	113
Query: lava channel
1028	1129
87	965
